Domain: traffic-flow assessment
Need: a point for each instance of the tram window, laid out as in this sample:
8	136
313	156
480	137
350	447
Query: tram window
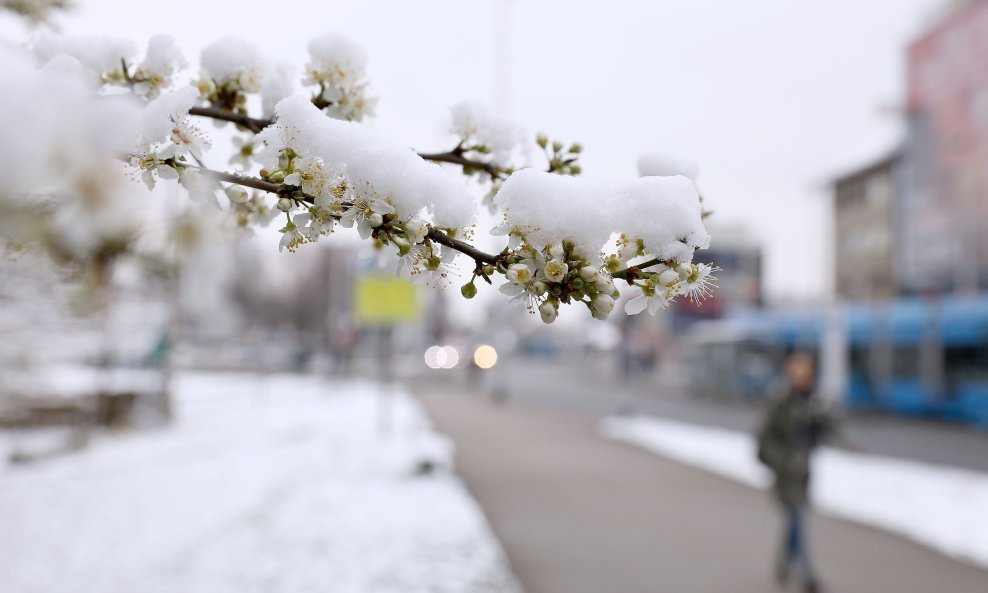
859	360
966	363
905	361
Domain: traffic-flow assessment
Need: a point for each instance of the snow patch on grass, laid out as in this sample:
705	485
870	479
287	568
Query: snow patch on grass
263	483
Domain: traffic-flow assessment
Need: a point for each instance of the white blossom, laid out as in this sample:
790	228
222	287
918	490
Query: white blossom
233	61
700	283
476	125
339	67
519	274
555	270
309	175
189	139
649	298
151	164
161	61
361	211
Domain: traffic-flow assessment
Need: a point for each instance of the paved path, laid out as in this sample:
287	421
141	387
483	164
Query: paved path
589	385
578	514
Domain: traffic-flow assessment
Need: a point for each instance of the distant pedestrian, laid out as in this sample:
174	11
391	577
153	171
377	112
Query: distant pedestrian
794	425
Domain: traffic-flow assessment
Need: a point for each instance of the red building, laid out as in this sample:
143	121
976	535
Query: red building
944	213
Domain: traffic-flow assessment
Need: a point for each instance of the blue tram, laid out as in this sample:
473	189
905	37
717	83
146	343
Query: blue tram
913	356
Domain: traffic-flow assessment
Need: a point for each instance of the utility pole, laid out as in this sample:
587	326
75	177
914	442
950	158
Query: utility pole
501	56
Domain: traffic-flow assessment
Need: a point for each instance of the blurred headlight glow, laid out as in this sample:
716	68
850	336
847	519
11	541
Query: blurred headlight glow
451	358
485	356
441	357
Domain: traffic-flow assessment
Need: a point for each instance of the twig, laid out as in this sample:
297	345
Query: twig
251	123
631	272
464	248
255	125
456	158
434	234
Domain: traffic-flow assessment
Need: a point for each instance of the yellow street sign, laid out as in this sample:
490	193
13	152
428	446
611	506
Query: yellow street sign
384	300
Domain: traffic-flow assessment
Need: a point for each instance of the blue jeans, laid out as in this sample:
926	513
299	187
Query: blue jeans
794	548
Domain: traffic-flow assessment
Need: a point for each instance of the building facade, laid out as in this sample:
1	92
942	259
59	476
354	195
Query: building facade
915	221
866	230
945	200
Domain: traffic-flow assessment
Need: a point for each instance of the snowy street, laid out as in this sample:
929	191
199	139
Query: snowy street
264	483
580	512
939	507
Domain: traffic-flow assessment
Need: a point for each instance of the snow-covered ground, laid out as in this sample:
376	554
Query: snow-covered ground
264	483
944	508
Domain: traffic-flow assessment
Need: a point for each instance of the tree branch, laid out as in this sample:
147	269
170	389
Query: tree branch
456	158
246	181
632	272
251	123
464	248
434	234
256	125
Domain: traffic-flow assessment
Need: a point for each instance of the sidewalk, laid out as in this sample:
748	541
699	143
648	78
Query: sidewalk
577	513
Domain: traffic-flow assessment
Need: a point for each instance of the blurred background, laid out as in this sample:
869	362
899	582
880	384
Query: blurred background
843	150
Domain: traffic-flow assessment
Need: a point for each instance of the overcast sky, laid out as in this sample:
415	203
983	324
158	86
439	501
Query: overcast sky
768	96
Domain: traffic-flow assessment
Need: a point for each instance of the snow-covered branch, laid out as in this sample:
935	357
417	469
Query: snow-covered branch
567	237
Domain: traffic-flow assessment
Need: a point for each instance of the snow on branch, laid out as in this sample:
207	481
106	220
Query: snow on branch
302	153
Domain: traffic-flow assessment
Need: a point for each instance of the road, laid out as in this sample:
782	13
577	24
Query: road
577	513
589	386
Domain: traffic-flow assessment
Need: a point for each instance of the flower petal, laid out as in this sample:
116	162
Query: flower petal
636	305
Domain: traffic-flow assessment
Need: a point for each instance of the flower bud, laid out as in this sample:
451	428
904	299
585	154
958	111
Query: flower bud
376	219
602	303
589	273
538	287
285	205
604	284
277	177
556	251
548	312
237	194
668	277
468	290
416	230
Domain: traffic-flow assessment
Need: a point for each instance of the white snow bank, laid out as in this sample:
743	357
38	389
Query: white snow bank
264	483
943	508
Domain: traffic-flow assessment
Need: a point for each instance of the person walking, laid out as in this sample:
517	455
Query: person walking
794	425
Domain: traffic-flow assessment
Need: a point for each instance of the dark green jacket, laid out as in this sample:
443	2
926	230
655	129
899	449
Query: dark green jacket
794	425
